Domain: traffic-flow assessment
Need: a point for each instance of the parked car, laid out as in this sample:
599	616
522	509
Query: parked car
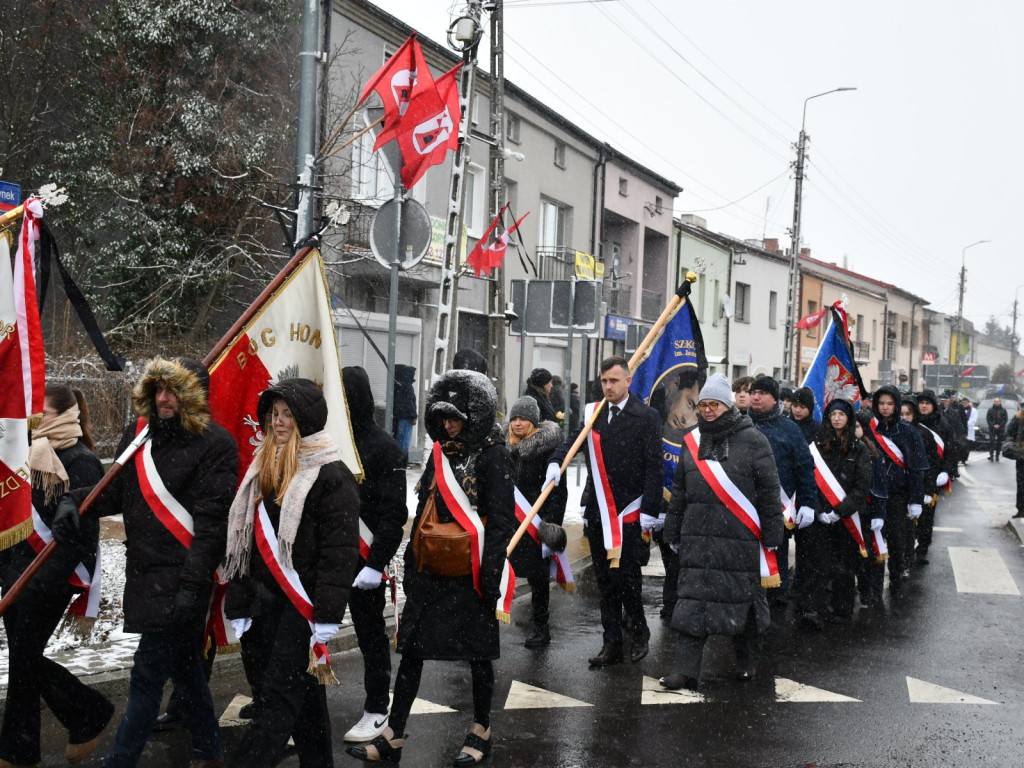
981	437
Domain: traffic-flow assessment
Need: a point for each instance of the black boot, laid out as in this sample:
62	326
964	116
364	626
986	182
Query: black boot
540	637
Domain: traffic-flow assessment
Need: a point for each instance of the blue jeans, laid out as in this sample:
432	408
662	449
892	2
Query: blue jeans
159	657
404	435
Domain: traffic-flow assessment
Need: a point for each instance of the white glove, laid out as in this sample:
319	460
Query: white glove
877	523
804	517
545	550
241	626
367	578
828	518
651	523
927	501
322	633
914	510
554	473
661	521
941	479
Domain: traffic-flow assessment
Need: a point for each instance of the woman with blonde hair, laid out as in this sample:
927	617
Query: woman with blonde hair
61	459
293	545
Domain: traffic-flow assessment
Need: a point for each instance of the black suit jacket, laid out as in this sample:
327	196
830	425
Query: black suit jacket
631	445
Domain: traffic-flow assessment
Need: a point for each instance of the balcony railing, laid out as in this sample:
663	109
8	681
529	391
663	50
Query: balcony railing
556	263
651	304
861	351
619	297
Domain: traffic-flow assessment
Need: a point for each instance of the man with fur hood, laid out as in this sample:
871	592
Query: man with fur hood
530	443
174	494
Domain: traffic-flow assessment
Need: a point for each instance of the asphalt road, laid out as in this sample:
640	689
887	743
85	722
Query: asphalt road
931	678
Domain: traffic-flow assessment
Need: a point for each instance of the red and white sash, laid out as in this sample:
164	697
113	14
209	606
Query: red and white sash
167	509
561	571
788	508
458	504
888	446
732	497
611	519
365	540
879	546
507	593
835	494
287	578
217	622
940	444
87	604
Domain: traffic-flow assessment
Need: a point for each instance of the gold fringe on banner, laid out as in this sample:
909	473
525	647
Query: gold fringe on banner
322	672
16	535
771	581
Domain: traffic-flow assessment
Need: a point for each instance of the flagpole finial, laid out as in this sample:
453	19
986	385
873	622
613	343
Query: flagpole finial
684	288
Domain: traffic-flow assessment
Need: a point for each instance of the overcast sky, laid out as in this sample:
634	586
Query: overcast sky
923	159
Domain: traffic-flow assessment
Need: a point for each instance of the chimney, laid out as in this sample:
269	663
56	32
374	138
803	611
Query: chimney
771	244
805	252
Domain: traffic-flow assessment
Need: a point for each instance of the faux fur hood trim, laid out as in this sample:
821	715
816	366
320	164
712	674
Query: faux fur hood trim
541	443
190	384
462	393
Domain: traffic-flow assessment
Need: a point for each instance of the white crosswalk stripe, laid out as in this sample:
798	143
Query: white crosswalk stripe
923	692
523	696
791	691
981	570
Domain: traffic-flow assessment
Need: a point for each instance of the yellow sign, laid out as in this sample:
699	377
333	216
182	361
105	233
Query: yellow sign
599	270
585	266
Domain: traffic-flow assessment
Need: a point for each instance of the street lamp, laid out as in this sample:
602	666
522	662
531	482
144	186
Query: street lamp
960	307
789	365
1013	337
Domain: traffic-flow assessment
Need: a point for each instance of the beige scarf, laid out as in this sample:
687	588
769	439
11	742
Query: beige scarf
48	472
314	451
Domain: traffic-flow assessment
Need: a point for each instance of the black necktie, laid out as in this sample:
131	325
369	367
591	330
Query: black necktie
615	411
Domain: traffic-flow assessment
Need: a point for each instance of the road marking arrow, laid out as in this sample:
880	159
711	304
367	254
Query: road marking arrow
923	692
791	691
523	696
655	693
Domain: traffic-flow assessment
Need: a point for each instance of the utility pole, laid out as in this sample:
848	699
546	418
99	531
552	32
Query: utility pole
960	305
306	128
496	308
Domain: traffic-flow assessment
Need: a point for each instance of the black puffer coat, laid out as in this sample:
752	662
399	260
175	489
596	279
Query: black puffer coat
719	558
529	464
909	479
853	471
382	491
84	470
198	462
444	617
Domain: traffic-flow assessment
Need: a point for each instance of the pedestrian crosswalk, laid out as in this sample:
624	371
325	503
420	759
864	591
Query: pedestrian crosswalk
923	692
981	570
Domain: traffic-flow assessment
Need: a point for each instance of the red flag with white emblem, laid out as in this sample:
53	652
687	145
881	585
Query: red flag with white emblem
292	335
403	76
430	127
485	259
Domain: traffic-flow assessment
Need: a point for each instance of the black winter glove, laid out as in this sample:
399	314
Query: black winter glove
188	607
66	521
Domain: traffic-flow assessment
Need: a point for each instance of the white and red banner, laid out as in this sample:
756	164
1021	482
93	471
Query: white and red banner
484	257
21	371
879	546
507	593
561	571
458	504
889	448
430	127
292	335
736	502
87	604
403	75
835	493
788	508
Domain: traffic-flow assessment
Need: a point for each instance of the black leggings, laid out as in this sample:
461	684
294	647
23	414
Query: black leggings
407	684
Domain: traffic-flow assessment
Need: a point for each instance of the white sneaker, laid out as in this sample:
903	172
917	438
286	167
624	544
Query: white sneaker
370	726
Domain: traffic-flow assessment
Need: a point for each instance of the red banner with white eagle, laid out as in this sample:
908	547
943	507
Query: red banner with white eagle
834	373
22	369
291	335
403	76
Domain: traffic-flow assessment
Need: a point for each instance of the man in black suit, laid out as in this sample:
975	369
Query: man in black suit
626	446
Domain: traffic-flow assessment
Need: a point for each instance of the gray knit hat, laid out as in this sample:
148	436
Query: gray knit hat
717	387
525	408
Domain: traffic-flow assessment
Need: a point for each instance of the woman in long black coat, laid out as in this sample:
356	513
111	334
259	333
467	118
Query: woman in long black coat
720	587
531	441
61	459
837	562
300	488
445	617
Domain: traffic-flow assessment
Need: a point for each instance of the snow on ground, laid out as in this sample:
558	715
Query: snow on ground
109	647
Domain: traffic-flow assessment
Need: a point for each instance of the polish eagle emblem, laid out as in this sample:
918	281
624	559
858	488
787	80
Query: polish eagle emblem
840	382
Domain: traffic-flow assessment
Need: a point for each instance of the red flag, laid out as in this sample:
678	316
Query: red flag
15	482
425	142
968	371
292	335
477	259
492	256
402	77
811	320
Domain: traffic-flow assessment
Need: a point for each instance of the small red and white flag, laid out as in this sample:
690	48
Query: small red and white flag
811	320
292	335
484	258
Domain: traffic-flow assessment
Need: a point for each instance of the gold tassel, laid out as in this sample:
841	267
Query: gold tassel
16	535
322	672
881	558
771	581
863	552
568	586
503	617
790	525
79	626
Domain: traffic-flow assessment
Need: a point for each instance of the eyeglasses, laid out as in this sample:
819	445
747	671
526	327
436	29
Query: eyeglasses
709	405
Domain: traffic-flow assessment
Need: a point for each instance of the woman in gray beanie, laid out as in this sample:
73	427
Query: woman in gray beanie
530	443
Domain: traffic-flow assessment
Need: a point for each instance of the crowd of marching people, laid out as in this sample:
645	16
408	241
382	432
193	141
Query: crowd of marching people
291	542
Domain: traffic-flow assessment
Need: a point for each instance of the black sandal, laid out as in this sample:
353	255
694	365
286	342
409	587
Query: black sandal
386	752
477	742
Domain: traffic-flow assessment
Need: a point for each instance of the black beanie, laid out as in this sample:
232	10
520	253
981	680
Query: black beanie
805	397
767	385
840	404
539	377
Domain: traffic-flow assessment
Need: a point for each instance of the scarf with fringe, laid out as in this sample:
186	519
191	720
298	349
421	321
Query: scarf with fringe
48	472
314	451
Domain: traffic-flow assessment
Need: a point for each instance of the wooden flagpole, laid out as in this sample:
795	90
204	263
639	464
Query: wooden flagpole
115	469
677	300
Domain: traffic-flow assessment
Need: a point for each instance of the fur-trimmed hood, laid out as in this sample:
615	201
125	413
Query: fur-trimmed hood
466	395
541	443
190	382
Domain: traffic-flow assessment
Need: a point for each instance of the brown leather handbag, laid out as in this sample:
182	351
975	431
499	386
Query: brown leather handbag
441	549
